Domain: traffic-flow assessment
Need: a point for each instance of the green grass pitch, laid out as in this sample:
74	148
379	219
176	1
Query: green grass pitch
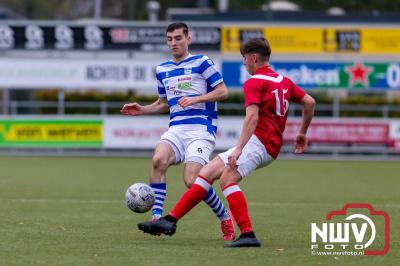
70	211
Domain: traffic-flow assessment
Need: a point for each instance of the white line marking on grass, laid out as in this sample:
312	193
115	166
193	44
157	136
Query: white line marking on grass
47	200
252	203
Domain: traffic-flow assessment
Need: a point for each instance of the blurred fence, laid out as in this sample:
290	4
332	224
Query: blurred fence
336	109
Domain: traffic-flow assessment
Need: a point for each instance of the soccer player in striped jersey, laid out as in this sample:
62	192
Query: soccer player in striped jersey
267	96
188	87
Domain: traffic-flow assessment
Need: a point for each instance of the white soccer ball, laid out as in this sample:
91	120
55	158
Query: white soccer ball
140	197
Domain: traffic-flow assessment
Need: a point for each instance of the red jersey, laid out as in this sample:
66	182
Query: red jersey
272	92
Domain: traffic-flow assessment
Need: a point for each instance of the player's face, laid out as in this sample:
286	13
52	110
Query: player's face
250	60
178	43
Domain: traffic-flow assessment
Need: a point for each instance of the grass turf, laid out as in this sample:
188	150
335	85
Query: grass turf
70	211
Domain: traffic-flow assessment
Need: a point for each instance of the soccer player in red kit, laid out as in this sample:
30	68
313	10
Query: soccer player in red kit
267	96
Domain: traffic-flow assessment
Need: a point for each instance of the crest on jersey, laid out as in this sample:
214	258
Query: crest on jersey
187	71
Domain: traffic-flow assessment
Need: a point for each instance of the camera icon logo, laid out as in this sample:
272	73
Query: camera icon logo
352	231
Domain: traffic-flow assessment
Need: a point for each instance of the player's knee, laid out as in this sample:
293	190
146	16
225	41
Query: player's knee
159	162
224	181
226	178
189	182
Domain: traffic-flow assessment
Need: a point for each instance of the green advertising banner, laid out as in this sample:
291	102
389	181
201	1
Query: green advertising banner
56	133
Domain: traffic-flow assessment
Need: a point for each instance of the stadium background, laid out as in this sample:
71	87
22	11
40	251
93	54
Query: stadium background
66	69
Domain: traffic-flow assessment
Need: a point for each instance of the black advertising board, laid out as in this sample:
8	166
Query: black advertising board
94	37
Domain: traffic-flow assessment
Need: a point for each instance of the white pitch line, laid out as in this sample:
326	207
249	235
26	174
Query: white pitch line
335	206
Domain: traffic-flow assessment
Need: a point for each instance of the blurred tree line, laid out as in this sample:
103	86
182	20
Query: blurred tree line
136	9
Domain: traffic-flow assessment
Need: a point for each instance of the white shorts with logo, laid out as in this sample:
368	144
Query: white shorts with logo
190	145
254	156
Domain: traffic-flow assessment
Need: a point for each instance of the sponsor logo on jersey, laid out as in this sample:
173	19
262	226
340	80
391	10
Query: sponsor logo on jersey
184	79
184	85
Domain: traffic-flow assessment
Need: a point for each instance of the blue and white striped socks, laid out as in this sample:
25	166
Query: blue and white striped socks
212	200
160	190
216	204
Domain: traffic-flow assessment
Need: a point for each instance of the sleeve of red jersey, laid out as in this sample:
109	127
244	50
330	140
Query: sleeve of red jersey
252	92
297	93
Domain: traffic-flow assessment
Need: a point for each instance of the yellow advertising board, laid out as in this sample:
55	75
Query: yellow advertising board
282	39
380	41
295	40
230	38
315	39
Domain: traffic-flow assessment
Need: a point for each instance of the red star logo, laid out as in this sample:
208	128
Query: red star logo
359	74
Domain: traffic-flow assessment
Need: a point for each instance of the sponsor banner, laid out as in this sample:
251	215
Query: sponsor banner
342	40
97	74
395	133
344	132
57	133
315	39
145	132
380	41
321	75
134	132
282	39
96	37
363	40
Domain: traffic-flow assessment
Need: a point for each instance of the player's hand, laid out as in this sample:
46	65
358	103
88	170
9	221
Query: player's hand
232	159
187	101
132	109
300	143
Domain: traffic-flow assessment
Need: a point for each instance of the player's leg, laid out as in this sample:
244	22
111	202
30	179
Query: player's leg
192	170
200	188
189	199
166	153
230	179
197	154
253	156
191	173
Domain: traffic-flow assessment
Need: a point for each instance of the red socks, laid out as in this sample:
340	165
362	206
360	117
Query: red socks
191	198
238	207
232	192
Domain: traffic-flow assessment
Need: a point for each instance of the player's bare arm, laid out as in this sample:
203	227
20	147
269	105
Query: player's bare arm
219	93
308	103
160	106
249	125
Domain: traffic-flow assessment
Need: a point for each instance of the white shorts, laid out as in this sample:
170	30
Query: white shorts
254	156
190	145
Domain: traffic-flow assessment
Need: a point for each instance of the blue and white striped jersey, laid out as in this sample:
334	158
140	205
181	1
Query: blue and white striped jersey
193	76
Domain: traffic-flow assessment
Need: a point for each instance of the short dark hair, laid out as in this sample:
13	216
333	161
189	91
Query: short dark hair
258	46
176	26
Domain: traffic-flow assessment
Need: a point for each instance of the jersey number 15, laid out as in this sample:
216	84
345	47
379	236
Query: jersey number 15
281	103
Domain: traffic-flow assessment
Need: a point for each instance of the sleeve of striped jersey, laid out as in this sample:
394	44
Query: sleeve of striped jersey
252	92
297	93
210	73
160	87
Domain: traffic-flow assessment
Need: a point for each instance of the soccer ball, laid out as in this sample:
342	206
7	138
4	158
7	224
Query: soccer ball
140	197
